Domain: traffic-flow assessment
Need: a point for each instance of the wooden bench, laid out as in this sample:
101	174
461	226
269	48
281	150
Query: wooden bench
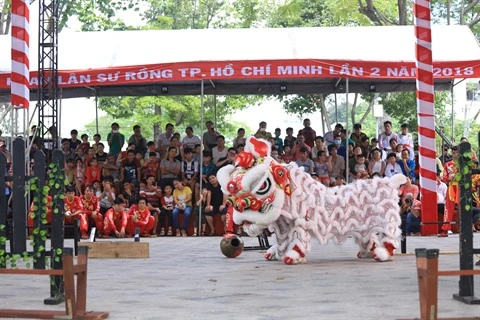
427	271
75	295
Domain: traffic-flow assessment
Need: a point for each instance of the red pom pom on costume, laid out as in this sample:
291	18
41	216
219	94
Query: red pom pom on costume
244	160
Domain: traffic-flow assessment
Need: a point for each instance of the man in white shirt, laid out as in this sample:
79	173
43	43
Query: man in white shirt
329	137
385	137
220	151
163	139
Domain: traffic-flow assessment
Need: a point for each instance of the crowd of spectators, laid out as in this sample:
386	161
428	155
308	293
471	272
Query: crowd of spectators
163	176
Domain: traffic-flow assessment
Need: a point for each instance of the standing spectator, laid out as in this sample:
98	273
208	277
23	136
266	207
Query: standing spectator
73	141
201	203
115	221
278	142
183	203
445	157
210	136
220	150
474	154
163	139
96	141
115	139
384	137
304	162
330	136
323	168
138	140
336	162
190	173
130	168
299	145
392	168
190	140
110	169
262	132
168	204
240	138
216	203
170	168
85	145
67	152
407	165
208	167
357	134
308	133
8	155
453	195
289	139
406	140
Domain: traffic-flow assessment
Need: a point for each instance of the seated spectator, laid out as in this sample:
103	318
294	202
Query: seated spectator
407	165
170	168
151	166
101	155
357	134
80	174
168	204
408	188
299	145
287	157
139	216
130	168
308	133
208	167
410	209
406	140
228	159
376	164
190	173
67	152
183	203
70	172
210	136
220	150
339	181
330	136
110	169
277	141
336	162
392	168
129	194
275	156
163	139
85	145
304	162
190	140
323	168
319	146
115	222
73	141
107	197
97	189
151	148
96	141
216	203
93	172
138	140
153	196
74	210
262	132
385	137
91	209
360	169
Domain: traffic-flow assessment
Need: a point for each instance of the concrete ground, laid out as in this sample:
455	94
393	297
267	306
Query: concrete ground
189	278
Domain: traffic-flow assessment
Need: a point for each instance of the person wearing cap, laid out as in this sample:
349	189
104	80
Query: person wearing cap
330	136
406	140
357	134
385	137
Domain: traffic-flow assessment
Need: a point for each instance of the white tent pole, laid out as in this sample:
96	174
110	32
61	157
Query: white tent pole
347	168
201	159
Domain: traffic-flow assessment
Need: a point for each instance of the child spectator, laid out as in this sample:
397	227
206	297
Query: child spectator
277	141
323	168
153	195
90	155
70	172
360	168
183	203
97	190
107	197
96	141
289	138
80	177
305	162
128	195
392	168
130	168
151	166
93	172
376	164
168	205
201	203
319	146
151	148
287	157
190	172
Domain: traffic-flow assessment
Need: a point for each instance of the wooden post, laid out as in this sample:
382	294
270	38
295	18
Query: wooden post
427	271
82	260
69	281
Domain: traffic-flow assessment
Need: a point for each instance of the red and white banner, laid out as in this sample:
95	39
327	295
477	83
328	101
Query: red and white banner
251	69
19	82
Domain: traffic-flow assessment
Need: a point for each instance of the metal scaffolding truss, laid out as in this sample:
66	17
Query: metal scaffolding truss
48	116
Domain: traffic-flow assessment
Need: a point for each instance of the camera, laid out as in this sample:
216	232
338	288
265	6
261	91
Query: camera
408	201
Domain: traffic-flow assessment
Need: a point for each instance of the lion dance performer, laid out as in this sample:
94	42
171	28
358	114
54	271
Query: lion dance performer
91	209
74	210
139	216
295	207
115	220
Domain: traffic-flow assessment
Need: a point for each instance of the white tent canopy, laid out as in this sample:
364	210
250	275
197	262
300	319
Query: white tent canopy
300	60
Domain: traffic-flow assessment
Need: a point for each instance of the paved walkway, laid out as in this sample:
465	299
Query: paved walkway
189	278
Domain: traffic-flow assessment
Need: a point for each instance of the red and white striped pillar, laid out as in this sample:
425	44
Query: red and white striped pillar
426	115
20	54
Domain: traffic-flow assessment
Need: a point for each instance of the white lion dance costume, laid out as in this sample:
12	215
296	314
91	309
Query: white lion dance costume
295	207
